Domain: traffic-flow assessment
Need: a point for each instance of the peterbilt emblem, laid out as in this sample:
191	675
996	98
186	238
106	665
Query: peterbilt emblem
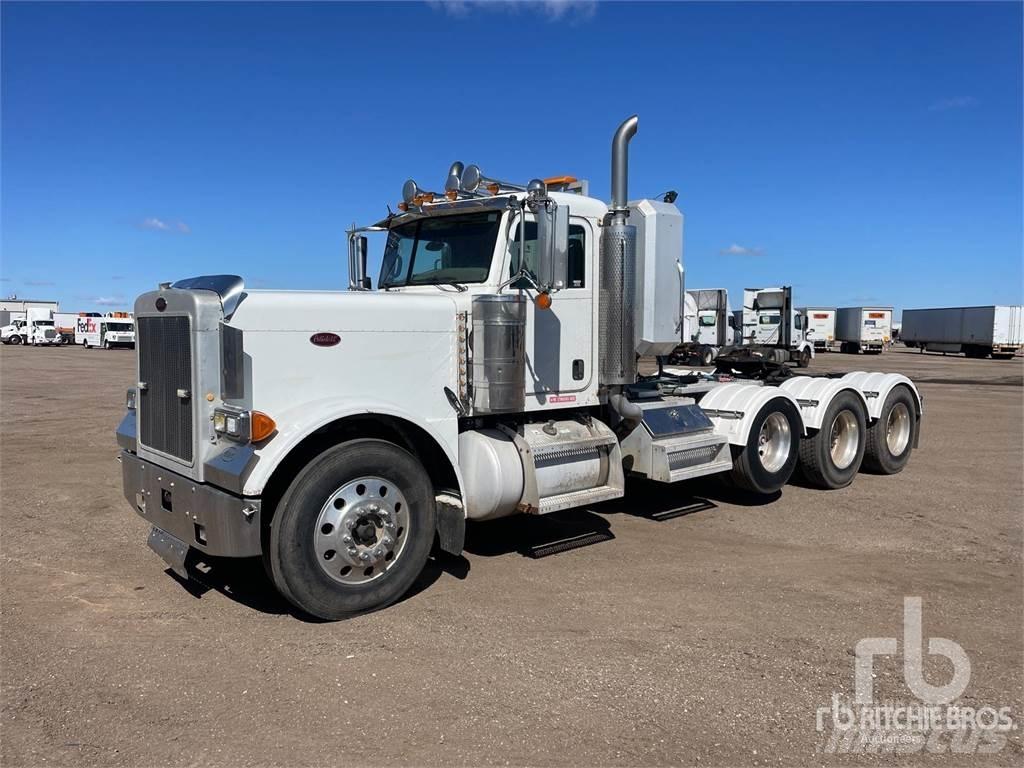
325	339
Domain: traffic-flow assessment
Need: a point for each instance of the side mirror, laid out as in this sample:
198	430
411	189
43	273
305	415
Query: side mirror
361	248
552	245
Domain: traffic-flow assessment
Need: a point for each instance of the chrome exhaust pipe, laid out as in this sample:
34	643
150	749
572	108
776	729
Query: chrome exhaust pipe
620	166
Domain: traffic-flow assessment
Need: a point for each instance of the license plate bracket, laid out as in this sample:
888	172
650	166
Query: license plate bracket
172	549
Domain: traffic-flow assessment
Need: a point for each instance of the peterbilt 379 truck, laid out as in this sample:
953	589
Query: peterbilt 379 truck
492	371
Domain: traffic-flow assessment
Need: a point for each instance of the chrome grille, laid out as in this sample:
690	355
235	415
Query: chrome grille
165	367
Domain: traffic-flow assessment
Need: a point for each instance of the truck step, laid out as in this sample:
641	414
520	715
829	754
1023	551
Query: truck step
567	544
550	504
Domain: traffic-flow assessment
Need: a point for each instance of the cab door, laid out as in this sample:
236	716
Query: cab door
559	340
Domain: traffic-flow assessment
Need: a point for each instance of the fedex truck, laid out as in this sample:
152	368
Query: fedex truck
106	332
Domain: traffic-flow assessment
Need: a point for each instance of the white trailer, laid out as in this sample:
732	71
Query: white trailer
863	329
819	326
106	332
493	372
975	331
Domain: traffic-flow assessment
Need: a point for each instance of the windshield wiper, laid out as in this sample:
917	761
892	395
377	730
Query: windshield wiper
457	286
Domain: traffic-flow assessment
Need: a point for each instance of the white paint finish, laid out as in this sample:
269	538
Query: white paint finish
395	357
820	324
743	397
818	393
659	275
876	388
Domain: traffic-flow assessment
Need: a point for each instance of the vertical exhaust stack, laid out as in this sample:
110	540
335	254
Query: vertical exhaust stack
617	297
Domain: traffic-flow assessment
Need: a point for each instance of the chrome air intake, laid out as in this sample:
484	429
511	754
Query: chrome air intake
617	297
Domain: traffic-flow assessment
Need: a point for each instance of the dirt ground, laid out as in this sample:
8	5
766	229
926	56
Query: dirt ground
704	638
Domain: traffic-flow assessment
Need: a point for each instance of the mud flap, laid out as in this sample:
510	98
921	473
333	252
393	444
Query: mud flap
451	526
171	549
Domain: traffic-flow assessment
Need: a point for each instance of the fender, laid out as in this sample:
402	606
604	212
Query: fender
877	386
299	422
815	394
732	408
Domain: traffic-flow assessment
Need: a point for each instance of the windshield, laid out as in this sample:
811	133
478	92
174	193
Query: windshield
445	249
119	327
770	320
47	323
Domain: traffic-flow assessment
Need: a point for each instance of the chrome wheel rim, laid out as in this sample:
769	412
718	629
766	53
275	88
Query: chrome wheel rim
897	429
361	530
773	442
844	440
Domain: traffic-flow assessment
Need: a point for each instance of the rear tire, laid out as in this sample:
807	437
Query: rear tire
832	457
767	461
892	436
373	493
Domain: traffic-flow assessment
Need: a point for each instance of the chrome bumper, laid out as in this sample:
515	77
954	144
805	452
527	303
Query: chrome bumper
199	515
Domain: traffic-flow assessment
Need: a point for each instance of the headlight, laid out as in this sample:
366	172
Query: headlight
231	423
131	397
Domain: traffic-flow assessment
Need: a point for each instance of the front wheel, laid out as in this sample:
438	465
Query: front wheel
804	359
15	339
891	437
766	462
832	457
353	531
707	356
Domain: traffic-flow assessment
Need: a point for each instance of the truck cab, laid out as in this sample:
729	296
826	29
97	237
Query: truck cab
36	329
771	321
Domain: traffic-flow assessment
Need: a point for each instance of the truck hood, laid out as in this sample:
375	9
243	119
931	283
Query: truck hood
337	311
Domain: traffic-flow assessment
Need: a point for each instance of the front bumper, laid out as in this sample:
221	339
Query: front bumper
199	515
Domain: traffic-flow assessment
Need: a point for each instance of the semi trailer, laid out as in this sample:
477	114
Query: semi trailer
819	326
863	329
492	371
976	331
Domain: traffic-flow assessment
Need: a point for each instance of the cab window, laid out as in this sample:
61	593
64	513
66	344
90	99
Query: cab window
577	261
770	320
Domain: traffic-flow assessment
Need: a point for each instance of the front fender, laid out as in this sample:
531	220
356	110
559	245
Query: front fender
732	408
299	422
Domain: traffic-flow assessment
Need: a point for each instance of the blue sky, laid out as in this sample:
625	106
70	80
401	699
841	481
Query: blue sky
865	153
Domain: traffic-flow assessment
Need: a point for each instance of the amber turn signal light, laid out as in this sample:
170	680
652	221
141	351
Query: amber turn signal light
262	426
543	301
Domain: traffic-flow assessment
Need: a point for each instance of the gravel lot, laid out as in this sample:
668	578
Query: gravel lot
704	638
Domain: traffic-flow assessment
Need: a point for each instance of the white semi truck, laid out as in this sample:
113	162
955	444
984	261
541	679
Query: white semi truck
707	325
771	322
976	331
36	329
491	372
819	326
864	329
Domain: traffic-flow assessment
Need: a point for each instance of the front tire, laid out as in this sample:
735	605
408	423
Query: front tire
706	356
892	436
832	457
353	531
15	340
765	464
805	358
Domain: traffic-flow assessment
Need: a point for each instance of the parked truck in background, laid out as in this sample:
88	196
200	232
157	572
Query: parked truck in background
492	372
707	325
863	329
819	326
976	331
771	321
107	332
36	329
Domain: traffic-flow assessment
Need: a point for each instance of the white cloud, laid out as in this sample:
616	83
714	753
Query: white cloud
108	301
740	250
159	225
553	10
39	282
957	102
